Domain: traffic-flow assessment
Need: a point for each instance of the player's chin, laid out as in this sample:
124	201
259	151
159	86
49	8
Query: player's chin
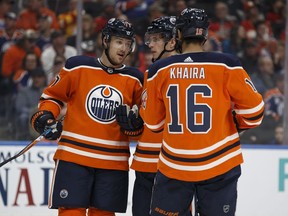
120	58
119	62
155	55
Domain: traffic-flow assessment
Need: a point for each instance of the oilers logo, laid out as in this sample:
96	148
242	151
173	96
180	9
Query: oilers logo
101	103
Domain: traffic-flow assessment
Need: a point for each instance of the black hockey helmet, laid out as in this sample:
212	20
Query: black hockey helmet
165	25
193	23
119	28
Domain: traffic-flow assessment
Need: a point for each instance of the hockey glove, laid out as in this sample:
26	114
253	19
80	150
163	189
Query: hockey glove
240	131
131	123
44	121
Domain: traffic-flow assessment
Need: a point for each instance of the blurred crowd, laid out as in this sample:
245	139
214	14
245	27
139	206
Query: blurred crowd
37	36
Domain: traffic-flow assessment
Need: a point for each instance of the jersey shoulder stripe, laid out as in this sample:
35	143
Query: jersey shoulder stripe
76	62
205	58
132	71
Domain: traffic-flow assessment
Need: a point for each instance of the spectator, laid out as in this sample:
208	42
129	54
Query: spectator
68	19
279	57
212	45
134	9
5	7
274	99
108	11
26	100
278	135
13	57
9	34
12	62
59	62
253	14
58	47
147	58
22	78
264	38
99	47
155	10
262	134
44	29
263	79
274	110
222	24
137	58
249	56
88	44
175	7
276	17
28	16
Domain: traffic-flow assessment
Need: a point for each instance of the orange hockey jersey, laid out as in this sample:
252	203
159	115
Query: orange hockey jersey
147	151
148	147
91	135
190	97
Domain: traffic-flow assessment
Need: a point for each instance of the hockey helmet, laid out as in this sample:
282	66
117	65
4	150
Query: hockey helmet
166	26
119	28
193	23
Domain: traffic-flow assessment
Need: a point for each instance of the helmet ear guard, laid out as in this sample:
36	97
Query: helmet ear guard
133	45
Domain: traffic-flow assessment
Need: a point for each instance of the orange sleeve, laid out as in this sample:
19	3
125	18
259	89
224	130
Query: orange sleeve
12	61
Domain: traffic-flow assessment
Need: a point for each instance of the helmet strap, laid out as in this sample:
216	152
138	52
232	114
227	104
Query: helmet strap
108	56
162	53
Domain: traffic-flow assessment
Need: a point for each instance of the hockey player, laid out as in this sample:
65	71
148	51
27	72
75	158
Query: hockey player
190	98
161	39
91	161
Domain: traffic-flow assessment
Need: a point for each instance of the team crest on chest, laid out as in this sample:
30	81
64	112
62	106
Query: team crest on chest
101	102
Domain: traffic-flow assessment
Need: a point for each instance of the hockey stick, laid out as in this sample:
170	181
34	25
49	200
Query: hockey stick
34	142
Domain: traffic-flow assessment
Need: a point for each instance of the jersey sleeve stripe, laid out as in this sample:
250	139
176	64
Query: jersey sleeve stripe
200	167
202	151
99	68
156	127
252	110
149	145
81	66
148	152
256	117
132	77
253	123
146	160
48	97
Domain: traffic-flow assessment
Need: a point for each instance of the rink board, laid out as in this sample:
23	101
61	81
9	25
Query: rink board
25	182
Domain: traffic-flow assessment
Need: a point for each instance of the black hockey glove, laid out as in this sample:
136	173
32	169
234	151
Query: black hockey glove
240	131
44	122
131	123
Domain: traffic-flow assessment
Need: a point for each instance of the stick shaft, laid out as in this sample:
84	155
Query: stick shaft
25	149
